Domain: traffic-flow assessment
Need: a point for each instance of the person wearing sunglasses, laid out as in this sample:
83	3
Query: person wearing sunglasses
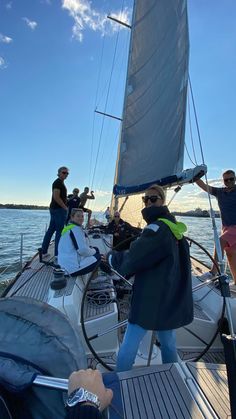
58	211
162	289
226	197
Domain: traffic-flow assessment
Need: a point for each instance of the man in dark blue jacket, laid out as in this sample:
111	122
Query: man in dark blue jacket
162	290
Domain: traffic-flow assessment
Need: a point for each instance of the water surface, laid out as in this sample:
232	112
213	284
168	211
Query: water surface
31	224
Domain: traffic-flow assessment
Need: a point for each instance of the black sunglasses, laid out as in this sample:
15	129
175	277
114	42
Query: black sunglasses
152	198
65	173
229	179
116	216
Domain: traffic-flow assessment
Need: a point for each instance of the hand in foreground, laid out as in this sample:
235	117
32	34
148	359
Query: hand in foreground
91	380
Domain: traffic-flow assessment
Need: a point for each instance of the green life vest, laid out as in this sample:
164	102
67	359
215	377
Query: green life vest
67	228
178	228
72	236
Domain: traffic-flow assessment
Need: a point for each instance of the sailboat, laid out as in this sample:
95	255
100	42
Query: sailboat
52	325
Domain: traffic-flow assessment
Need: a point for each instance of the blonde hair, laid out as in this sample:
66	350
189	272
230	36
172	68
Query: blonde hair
159	190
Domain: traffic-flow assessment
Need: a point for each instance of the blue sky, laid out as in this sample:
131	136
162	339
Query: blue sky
55	65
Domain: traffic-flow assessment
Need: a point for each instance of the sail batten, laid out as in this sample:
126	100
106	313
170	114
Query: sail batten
152	136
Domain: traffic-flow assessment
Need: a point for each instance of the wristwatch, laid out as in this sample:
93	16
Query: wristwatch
81	395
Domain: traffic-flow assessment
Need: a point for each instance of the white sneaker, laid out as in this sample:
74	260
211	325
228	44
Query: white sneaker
207	275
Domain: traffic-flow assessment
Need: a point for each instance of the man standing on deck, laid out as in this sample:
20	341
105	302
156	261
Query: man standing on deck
226	197
83	199
58	211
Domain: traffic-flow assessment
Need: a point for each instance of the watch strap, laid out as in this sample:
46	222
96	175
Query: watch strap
81	395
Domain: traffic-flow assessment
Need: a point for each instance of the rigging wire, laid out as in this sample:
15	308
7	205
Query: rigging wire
107	96
103	119
108	159
110	156
196	120
186	148
190	129
216	236
191	135
95	101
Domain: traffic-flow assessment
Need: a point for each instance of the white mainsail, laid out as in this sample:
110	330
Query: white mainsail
152	137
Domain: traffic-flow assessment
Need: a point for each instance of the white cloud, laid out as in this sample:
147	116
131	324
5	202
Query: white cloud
215	182
86	17
100	193
123	16
3	63
9	5
30	23
5	39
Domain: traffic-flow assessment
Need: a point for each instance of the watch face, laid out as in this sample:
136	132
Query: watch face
75	397
80	396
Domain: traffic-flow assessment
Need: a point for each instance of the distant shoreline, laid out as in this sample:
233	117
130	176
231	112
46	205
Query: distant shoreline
198	214
23	206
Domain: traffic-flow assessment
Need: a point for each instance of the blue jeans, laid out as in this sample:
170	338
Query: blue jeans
133	336
57	222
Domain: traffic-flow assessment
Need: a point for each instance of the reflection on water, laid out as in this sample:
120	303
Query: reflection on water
32	224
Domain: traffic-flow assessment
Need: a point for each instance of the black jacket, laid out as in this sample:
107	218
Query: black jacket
162	290
121	232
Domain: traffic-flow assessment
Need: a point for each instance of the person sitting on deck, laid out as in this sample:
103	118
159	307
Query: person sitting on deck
121	231
74	253
83	199
73	202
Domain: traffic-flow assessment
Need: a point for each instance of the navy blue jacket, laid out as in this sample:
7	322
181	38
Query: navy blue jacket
162	289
